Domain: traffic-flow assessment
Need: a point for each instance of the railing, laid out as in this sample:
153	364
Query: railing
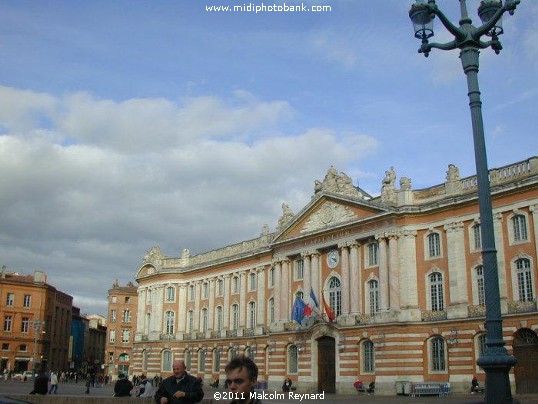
521	307
167	337
433	315
363	318
231	333
476	311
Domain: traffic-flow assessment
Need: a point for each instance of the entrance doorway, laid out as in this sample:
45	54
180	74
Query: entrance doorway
326	365
526	352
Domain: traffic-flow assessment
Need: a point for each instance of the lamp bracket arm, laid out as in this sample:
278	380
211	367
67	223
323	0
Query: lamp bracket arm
453	29
443	46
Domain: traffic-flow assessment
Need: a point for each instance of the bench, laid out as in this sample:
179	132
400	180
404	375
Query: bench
430	389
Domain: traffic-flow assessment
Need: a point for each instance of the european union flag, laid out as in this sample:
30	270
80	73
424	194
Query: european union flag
297	312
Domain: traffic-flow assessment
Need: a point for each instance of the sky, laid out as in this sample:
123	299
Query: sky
127	124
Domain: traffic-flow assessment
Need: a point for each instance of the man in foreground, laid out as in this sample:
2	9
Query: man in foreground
180	387
241	378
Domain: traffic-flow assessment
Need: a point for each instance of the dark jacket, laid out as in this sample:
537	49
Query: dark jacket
123	388
189	384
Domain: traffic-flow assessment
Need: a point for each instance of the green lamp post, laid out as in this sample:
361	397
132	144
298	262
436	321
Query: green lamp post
495	360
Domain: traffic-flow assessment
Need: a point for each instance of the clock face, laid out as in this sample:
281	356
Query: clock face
332	258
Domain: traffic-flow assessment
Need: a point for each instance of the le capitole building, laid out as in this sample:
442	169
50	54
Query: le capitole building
402	273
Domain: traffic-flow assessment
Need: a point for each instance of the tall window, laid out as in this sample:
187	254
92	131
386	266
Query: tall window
477	237
191	292
335	295
188	359
112	316
368	360
524	280
481	344
148	296
216	360
438	361
112	336
167	361
480	285
436	291
204	320
235	316
520	227
373	292
220	287
169	327
252	315
144	359
27	301
8	320
190	321
205	288
299	269
218	318
272	277
252	281
170	294
201	360
373	249
271	310
293	359
235	284
126	316
25	324
434	245
10	300
125	335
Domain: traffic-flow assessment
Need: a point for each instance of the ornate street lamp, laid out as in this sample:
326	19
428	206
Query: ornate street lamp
495	360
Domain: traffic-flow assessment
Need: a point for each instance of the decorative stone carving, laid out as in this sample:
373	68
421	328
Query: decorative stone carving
388	191
329	214
338	183
287	217
453	173
154	257
405	184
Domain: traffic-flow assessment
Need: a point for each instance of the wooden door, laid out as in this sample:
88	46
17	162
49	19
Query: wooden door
326	365
526	369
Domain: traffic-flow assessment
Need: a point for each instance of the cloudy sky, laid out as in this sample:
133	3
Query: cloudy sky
126	124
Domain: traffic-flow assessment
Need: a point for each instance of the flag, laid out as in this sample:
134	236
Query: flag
297	312
313	297
328	310
307	310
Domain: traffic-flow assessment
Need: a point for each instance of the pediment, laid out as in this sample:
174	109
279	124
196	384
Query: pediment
327	212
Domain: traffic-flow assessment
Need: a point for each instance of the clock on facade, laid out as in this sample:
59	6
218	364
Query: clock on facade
332	258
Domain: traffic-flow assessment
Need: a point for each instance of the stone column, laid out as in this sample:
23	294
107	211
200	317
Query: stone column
140	317
501	266
355	278
394	274
157	309
383	273
316	271
211	306
346	282
260	296
285	285
226	307
408	273
277	290
307	274
182	308
197	310
455	252
243	281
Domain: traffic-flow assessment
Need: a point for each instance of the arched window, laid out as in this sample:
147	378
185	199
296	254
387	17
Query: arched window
123	357
235	316
216	360
190	321
368	360
437	349
434	245
481	339
271	310
480	285
335	295
144	359
188	359
218	318
524	280
252	315
436	292
204	320
201	360
299	295
166	365
293	359
169	323
373	294
519	223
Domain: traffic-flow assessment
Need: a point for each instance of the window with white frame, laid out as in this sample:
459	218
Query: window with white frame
167	361
368	359
252	315
112	336
372	254
170	294
205	289
112	316
235	284
220	287
524	280
519	224
27	301
477	237
190	321
373	294
481	344
126	316
218	318
8	320
114	299
272	277
125	335
299	269
299	295
169	322
436	292
191	292
479	271
335	295
204	320
25	324
293	359
10	300
271	310
434	245
438	352
235	316
252	281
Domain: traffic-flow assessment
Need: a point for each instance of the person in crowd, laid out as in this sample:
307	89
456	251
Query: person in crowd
53	383
286	386
41	382
241	378
474	385
359	385
145	387
371	388
180	387
123	386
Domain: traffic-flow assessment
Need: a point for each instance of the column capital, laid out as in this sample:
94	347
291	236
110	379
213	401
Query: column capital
533	208
453	226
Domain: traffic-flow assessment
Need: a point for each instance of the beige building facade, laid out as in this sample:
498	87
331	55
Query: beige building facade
402	273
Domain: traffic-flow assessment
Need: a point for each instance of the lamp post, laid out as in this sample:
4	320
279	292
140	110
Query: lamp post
495	360
37	328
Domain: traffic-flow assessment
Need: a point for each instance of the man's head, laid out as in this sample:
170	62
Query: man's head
179	368
241	374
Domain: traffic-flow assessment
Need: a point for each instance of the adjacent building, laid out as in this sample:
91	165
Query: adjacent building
35	322
400	274
122	311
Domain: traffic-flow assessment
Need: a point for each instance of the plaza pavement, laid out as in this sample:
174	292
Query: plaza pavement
14	388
